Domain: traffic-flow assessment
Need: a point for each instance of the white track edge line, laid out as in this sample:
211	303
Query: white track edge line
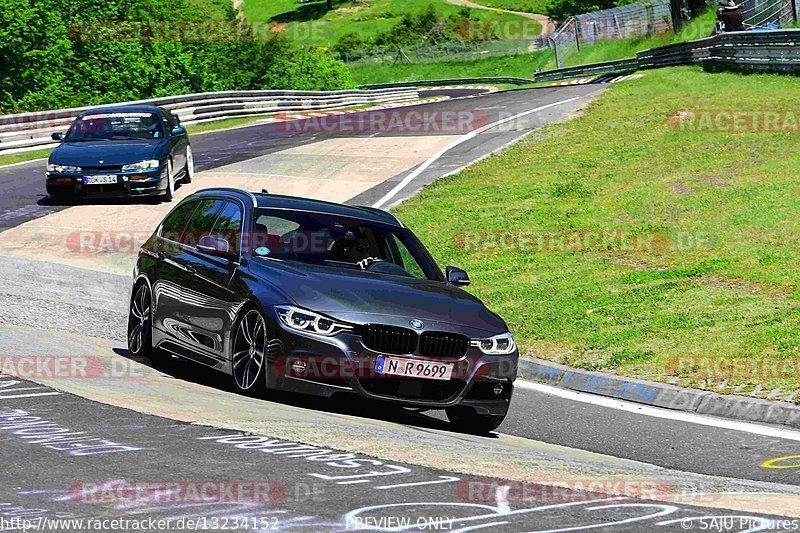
659	412
471	135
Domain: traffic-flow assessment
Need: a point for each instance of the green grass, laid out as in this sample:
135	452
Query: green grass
525	6
10	159
519	66
713	274
312	24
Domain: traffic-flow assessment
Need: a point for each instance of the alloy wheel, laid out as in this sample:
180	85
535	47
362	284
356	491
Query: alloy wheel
249	351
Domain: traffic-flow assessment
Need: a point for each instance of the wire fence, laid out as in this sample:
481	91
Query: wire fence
639	19
759	13
456	51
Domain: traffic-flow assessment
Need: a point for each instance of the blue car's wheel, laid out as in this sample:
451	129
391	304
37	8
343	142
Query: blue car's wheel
188	170
169	194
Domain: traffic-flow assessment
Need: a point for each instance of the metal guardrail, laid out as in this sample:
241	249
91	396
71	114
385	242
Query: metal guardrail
452	81
607	67
27	131
762	50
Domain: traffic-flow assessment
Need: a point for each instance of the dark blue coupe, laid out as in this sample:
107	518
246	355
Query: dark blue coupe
120	151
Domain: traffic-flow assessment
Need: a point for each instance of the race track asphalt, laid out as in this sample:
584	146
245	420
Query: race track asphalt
43	304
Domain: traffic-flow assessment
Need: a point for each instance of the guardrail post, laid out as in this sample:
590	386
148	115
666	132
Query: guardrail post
555	51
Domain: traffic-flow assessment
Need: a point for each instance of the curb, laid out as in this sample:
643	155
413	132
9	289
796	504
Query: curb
657	394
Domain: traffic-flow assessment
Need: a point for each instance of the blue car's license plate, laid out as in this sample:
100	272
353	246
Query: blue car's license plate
100	179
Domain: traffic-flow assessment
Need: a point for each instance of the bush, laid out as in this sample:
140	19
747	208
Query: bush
562	9
310	71
65	53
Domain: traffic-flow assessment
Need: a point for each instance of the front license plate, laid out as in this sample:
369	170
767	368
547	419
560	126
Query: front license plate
100	179
398	366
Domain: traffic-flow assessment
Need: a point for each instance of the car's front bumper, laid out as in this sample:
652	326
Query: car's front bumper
142	183
303	363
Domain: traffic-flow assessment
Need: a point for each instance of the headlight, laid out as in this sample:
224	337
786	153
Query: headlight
63	168
309	322
502	344
141	165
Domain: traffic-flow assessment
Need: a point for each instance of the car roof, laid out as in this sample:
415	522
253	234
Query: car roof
276	201
123	109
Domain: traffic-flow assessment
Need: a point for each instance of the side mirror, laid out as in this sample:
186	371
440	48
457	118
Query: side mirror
214	245
179	130
58	136
456	276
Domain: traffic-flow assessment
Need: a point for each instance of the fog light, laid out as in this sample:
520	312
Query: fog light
299	366
498	389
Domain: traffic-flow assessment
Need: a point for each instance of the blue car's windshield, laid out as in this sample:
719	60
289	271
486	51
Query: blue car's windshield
114	126
339	242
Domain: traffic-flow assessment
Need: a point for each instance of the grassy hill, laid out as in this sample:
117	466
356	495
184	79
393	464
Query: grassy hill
312	24
525	6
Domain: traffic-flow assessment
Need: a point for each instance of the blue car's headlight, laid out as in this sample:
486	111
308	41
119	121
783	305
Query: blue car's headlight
309	321
62	168
502	344
141	165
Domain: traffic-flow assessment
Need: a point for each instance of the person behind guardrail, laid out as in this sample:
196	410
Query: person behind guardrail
729	18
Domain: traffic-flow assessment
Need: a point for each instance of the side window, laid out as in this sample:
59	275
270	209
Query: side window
229	225
173	226
166	120
202	222
399	255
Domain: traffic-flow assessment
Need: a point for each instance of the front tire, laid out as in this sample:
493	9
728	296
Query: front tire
169	194
466	420
249	361
188	170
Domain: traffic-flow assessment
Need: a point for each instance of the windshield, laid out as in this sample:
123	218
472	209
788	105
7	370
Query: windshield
115	126
340	242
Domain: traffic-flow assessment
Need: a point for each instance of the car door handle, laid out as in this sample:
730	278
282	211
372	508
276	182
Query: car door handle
161	255
190	269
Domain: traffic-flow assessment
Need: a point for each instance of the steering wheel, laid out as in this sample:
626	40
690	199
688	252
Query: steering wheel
382	266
